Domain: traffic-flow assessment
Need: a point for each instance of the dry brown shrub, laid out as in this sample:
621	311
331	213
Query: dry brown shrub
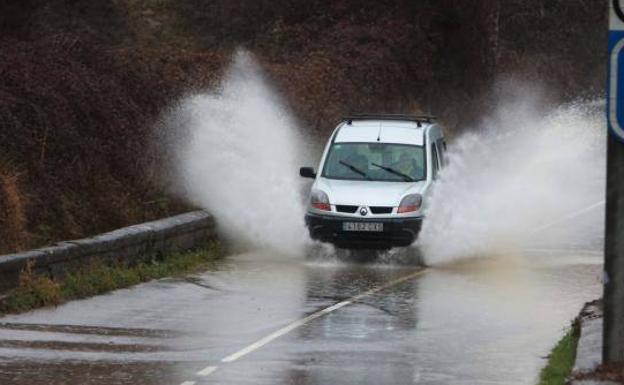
13	220
77	114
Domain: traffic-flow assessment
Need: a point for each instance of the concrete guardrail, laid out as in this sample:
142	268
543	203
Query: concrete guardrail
131	244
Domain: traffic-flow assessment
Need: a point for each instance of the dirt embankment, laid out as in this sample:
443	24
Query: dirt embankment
82	83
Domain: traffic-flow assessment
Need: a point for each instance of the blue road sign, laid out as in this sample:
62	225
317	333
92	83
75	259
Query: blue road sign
615	90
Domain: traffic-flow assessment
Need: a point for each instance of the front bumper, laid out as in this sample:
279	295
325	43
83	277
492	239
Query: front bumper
397	232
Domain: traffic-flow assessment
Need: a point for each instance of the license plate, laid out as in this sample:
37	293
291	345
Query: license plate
362	226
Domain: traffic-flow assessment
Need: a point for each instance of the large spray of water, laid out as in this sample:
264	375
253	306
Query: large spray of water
238	156
529	178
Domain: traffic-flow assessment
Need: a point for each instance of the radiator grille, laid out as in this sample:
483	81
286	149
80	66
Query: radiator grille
380	210
346	209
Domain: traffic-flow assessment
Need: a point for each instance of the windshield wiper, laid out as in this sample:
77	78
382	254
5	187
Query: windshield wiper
405	177
353	168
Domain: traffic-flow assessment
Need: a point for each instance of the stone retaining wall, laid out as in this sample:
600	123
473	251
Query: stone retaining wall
127	245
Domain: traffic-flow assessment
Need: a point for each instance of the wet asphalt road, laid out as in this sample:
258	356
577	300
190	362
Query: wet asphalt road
488	321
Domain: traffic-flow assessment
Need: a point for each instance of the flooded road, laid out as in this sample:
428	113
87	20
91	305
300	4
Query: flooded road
263	319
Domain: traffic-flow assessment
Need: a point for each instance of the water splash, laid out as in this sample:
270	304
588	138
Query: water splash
525	180
238	156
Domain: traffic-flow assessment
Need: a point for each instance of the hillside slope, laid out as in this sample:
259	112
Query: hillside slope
82	83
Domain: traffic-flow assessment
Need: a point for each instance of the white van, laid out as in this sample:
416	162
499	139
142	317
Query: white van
373	181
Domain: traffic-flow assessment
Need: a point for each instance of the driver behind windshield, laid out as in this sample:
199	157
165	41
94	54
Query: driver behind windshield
408	165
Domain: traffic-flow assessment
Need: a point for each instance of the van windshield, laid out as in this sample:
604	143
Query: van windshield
375	161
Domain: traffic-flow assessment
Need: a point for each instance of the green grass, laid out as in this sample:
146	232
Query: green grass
36	291
561	359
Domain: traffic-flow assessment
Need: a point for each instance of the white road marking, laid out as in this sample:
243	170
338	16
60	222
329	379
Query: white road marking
207	370
298	323
568	217
294	325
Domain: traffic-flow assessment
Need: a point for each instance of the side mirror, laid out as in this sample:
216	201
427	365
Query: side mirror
307	172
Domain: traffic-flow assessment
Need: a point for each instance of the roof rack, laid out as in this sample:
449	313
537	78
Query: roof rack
411	118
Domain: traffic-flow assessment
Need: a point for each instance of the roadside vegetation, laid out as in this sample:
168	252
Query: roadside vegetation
82	84
35	290
561	359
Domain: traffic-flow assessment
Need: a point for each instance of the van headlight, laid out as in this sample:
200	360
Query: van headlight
319	200
410	203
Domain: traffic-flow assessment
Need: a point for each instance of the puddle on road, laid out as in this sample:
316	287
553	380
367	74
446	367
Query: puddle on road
484	320
488	320
493	320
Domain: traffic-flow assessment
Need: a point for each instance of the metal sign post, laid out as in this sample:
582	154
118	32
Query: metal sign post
613	336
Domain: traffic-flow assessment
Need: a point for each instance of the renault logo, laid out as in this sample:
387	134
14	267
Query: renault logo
363	211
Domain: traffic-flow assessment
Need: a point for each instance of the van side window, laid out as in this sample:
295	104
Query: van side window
434	161
441	145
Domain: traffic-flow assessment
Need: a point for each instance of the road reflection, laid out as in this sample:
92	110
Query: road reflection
363	343
478	321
